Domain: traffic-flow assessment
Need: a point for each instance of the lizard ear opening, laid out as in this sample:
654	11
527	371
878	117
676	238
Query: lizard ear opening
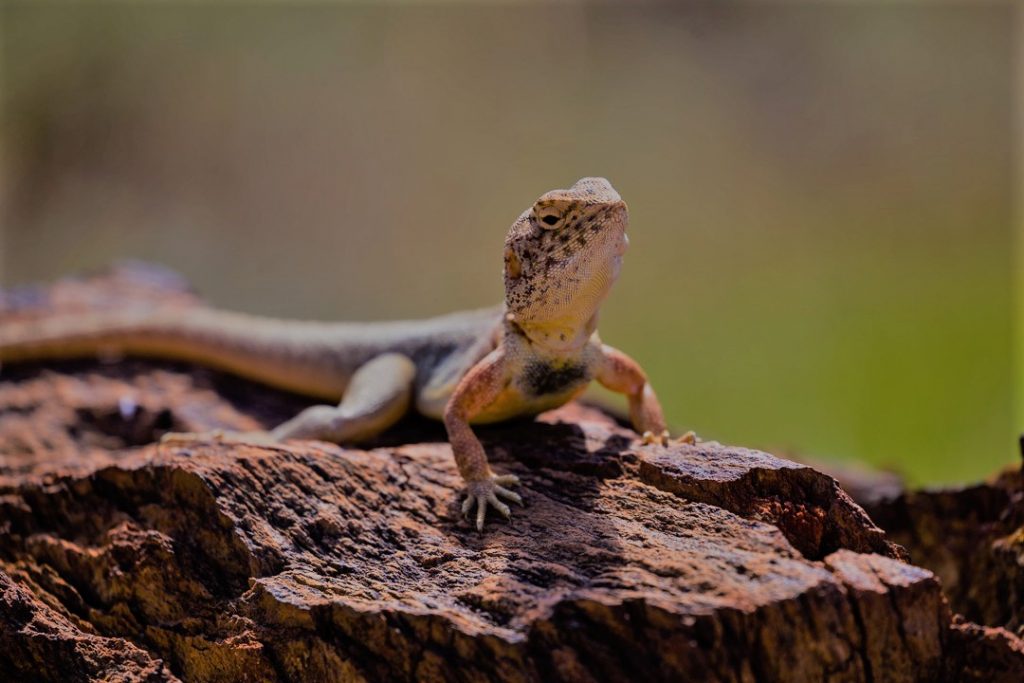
513	268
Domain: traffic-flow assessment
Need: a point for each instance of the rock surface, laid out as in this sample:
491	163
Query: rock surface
210	561
973	539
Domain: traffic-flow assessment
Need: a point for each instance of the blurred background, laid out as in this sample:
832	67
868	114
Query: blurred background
821	195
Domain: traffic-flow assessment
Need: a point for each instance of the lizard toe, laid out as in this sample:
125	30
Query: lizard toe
650	438
508	495
488	492
481	513
689	437
503	509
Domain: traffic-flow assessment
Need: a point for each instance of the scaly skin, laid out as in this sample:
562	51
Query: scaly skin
537	352
561	258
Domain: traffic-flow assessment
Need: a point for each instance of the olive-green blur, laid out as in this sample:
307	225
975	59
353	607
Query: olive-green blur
820	195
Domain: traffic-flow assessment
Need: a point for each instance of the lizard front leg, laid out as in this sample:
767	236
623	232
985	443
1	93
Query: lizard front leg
622	374
478	389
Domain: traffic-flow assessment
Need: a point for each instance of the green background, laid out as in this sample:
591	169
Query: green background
821	195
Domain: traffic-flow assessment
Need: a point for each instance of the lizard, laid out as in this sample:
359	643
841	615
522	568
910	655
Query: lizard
536	351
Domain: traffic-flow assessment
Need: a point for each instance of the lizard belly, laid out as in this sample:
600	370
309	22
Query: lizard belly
512	403
540	386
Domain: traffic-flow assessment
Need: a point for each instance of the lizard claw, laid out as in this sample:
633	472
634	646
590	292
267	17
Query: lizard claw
689	437
664	439
486	492
219	436
649	438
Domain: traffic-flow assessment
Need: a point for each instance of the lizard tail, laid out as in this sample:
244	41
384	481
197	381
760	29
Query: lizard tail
296	356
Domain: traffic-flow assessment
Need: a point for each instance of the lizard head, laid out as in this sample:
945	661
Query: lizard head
561	258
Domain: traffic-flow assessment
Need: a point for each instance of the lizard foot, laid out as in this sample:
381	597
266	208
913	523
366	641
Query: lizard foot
689	437
649	438
664	439
485	492
219	436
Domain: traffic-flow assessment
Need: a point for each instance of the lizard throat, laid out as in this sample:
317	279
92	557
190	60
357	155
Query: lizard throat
560	338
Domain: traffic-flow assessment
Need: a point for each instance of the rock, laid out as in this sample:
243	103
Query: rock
37	640
866	484
984	655
211	560
972	538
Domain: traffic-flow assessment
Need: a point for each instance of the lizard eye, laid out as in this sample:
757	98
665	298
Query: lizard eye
548	217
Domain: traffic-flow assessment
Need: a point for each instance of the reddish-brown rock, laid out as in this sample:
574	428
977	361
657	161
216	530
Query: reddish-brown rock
972	537
125	560
41	642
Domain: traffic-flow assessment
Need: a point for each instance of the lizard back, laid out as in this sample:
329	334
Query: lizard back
307	357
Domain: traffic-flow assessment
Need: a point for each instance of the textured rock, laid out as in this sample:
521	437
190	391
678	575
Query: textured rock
125	560
37	640
973	539
984	654
867	485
